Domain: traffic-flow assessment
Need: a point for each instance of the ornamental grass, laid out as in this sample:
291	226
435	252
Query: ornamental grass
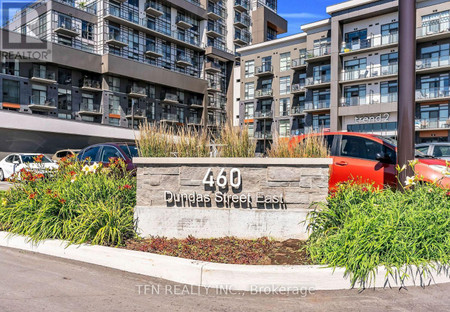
309	146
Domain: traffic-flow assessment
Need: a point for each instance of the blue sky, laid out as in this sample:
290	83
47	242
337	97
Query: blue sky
299	12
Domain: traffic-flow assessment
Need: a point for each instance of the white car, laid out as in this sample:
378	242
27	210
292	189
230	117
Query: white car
15	162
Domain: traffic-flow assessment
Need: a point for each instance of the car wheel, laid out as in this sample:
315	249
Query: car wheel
2	175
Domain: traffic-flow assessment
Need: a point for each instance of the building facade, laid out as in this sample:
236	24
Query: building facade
122	63
340	74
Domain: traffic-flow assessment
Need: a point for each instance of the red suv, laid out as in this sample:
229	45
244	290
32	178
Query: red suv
371	158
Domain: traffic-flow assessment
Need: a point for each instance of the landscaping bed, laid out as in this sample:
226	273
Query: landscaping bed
262	251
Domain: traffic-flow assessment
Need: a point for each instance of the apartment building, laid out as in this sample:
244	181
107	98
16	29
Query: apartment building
117	64
340	74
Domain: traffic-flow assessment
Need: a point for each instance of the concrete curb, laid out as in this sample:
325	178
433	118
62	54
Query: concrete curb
267	278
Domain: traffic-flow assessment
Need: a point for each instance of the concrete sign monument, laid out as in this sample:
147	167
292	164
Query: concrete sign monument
217	197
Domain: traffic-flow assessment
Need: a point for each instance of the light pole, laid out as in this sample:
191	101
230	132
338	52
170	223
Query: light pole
406	84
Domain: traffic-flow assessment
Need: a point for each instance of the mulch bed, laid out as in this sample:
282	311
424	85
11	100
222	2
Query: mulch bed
262	251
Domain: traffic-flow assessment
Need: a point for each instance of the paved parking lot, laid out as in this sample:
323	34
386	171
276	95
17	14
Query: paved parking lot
4	186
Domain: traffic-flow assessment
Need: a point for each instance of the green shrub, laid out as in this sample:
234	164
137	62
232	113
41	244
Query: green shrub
362	228
77	203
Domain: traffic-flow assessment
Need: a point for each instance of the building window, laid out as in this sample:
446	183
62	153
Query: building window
321	99
114	105
354	95
64	76
87	30
11	91
434	56
64	99
285	61
271	34
322	73
152	92
285	85
284	129
433	116
114	83
389	33
355	69
38	94
266	105
65	41
356	40
251	130
321	122
114	121
249	69
436	22
10	67
285	106
249	90
389	63
42	28
249	110
388	91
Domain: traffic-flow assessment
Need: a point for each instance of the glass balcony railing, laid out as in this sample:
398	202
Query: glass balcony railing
90	83
242	4
153	8
432	123
184	60
265	68
319	52
361	44
171	117
116	36
217	10
263	114
298	87
369	72
41	73
242	20
89	107
300	62
137	90
297	110
263	135
214	85
90	8
153	49
433	62
263	93
432	93
218	30
169	97
316	105
433	28
368	99
310	81
42	100
194	120
136	112
242	37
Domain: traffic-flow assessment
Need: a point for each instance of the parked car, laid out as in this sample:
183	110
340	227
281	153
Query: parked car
103	152
439	150
15	162
372	158
65	153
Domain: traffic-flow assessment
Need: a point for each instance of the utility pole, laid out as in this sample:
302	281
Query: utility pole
406	84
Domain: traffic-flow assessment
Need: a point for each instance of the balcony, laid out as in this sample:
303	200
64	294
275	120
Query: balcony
263	135
434	31
136	113
194	121
242	5
265	69
183	22
153	8
212	67
42	76
298	88
317	106
318	81
137	92
242	21
214	86
41	103
90	109
263	93
196	103
431	64
242	38
318	54
217	104
215	31
369	99
171	118
216	121
215	12
115	39
425	95
91	85
67	28
263	114
184	61
152	51
371	72
374	43
298	63
297	110
432	124
170	98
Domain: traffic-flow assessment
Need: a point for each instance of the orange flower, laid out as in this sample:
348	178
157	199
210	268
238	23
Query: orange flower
48	191
39	176
38	158
127	186
62	200
32	195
